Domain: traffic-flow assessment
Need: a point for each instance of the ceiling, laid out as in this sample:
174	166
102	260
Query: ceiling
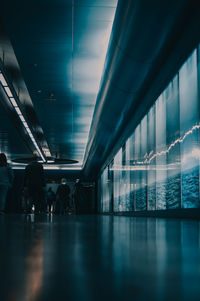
59	49
78	106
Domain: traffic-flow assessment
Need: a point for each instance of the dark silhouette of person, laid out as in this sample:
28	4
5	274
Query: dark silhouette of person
50	196
62	196
34	181
27	203
77	195
6	180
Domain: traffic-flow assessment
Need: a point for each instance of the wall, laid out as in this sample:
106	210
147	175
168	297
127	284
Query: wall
158	166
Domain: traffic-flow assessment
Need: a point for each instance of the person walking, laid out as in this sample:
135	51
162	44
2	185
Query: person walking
62	196
34	181
6	180
50	197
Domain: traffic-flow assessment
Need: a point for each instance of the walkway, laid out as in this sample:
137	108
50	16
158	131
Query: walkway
89	258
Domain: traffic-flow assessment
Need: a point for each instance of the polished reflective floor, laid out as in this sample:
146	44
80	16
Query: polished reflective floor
47	257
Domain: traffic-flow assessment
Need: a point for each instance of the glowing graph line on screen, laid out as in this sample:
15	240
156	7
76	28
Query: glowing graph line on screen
164	152
179	140
151	156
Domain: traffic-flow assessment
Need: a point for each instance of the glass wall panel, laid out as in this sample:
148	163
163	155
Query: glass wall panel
132	172
110	185
189	119
105	197
173	195
99	194
137	171
161	172
117	179
127	176
143	157
158	166
122	184
151	145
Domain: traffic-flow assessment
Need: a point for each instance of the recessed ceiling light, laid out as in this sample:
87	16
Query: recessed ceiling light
13	102
2	79
8	92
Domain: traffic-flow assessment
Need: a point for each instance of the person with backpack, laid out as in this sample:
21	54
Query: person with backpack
34	181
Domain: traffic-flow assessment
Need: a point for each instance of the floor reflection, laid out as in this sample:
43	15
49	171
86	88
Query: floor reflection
34	271
99	257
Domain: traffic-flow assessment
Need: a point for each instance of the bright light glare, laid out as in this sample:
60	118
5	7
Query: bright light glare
25	124
18	111
28	131
8	91
22	118
62	167
47	153
13	102
3	81
90	71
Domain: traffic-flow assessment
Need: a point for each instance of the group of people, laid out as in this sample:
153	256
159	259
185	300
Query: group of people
34	189
48	201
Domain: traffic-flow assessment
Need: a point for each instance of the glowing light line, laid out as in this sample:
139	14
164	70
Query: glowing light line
149	157
179	140
16	107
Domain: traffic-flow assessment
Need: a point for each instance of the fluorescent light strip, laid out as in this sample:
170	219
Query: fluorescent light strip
25	124
28	131
61	168
48	167
20	115
18	111
7	89
3	81
22	118
13	102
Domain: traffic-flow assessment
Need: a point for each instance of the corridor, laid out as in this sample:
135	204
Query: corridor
51	257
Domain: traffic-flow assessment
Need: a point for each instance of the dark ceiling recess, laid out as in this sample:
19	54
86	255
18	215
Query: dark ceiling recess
50	160
50	97
149	43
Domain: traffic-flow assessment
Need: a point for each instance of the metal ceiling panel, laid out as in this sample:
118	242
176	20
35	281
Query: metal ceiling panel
60	47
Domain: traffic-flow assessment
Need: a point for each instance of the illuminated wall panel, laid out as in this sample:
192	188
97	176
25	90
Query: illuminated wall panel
173	193
143	172
137	168
189	119
117	176
127	176
105	191
161	168
158	166
131	144
151	175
